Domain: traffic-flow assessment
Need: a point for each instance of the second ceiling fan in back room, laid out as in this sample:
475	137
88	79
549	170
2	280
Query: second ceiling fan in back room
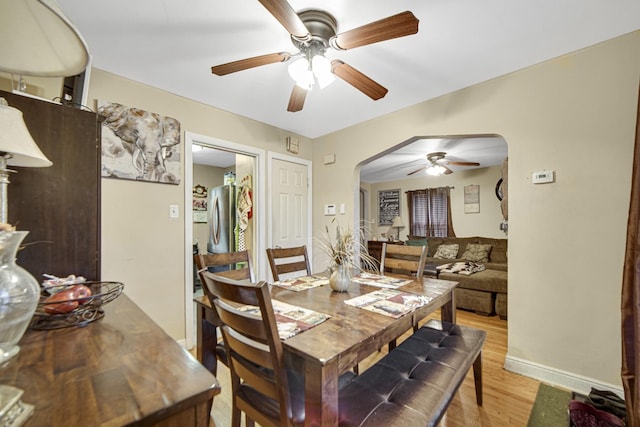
436	164
313	32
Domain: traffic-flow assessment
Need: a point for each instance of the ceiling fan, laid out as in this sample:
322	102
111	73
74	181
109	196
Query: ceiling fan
437	162
312	33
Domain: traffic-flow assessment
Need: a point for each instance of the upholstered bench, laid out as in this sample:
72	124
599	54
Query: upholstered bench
414	384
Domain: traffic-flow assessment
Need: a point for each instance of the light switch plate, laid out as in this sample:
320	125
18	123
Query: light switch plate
173	211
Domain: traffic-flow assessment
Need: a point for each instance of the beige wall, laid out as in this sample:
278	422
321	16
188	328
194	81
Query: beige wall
485	223
141	245
574	115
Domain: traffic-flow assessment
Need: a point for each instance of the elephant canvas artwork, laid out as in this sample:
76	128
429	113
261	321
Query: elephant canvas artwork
139	145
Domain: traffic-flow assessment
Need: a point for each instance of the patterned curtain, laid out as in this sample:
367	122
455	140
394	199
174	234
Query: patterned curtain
631	296
430	212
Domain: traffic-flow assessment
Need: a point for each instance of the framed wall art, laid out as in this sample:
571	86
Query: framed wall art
471	199
199	207
139	145
388	206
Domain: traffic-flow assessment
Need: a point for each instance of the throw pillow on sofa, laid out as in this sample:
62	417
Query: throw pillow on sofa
477	253
416	242
447	251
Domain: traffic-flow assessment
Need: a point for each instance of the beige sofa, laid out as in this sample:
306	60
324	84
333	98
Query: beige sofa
484	292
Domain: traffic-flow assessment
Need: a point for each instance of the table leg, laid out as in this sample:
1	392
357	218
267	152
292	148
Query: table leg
321	394
206	339
448	310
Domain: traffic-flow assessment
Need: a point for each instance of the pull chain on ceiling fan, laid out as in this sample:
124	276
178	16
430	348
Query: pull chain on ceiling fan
313	32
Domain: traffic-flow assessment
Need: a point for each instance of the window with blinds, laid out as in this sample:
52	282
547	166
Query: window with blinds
430	212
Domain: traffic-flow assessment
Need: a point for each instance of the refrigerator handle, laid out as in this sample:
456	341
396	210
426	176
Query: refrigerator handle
215	221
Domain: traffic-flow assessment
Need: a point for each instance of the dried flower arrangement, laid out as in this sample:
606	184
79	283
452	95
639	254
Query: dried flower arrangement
343	249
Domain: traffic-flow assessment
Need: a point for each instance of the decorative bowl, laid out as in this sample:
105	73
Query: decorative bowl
89	308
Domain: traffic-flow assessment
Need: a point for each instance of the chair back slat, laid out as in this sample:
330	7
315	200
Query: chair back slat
288	260
230	260
409	260
246	323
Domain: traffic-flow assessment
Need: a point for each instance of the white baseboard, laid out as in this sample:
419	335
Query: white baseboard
557	377
183	343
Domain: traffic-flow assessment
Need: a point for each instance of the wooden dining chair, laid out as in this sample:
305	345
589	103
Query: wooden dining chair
236	265
403	259
261	386
288	260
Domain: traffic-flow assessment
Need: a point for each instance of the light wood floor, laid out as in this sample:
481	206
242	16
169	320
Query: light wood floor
508	397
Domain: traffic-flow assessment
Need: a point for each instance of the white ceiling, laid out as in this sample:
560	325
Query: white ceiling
172	45
203	155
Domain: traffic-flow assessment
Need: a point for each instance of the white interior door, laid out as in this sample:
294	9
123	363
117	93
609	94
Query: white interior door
289	198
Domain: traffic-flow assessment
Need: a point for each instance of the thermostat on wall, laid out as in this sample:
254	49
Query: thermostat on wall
542	177
330	209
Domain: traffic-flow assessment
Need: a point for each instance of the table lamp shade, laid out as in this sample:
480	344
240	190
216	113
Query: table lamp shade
16	140
397	222
38	40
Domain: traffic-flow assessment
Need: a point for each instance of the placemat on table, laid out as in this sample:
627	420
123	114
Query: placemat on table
390	302
380	281
291	319
302	283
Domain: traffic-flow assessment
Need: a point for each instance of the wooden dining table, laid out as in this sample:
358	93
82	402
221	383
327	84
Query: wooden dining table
335	346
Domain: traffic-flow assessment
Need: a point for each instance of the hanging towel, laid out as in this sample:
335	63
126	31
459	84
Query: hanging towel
244	206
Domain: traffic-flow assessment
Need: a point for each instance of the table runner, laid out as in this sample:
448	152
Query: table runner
302	283
389	302
380	281
291	319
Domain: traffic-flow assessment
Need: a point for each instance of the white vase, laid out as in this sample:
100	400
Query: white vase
340	278
19	295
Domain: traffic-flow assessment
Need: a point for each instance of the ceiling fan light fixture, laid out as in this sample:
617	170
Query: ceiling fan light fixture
321	67
436	170
301	73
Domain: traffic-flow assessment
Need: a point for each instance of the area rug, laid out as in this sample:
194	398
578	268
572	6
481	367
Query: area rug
551	407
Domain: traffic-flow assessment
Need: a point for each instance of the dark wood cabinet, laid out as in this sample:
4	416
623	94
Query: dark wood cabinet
58	205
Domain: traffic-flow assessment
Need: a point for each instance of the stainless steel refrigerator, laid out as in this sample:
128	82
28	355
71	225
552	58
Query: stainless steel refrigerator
222	219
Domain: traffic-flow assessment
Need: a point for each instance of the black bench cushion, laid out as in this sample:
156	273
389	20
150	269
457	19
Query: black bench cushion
413	385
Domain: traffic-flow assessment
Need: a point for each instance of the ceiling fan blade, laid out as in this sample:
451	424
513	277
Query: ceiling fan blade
358	80
284	13
417	170
296	100
400	25
245	64
447	170
462	163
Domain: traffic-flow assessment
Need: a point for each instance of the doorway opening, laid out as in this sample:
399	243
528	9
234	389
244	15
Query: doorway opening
216	164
